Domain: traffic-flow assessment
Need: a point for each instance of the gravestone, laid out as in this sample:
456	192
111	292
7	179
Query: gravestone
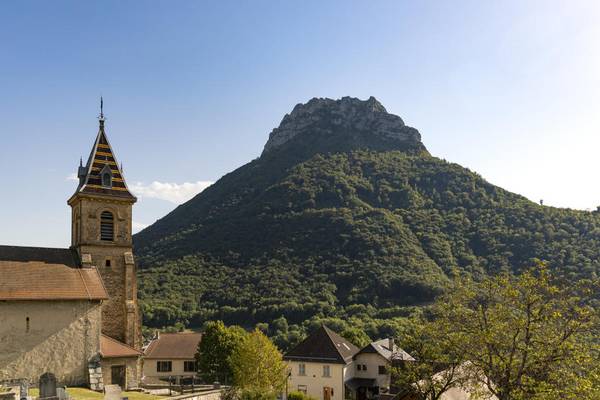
112	392
62	394
48	386
23	389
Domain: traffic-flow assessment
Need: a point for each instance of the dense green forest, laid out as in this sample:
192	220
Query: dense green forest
359	235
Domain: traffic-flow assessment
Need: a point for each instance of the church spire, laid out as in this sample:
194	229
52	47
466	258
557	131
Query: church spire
102	174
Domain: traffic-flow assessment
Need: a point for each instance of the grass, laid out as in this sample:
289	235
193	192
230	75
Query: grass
77	393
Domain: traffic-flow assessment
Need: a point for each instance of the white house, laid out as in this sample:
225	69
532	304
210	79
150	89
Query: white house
321	365
372	368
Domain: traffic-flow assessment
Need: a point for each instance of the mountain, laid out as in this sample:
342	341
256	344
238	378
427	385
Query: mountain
345	215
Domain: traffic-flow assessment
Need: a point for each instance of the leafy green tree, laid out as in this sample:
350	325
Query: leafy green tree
356	336
437	364
215	349
530	336
257	365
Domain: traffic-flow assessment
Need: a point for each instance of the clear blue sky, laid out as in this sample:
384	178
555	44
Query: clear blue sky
510	89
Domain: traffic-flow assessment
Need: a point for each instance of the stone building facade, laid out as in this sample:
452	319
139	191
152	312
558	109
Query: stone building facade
101	251
50	314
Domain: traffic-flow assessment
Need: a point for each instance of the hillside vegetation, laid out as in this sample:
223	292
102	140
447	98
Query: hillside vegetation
345	226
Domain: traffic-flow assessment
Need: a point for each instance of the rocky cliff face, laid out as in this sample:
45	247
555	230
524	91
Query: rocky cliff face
349	116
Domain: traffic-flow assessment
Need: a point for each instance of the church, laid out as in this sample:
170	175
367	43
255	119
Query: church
74	311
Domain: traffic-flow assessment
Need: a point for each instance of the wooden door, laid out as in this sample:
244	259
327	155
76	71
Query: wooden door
327	393
117	375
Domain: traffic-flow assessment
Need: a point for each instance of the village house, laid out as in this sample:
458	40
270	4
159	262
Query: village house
372	368
74	312
171	355
321	364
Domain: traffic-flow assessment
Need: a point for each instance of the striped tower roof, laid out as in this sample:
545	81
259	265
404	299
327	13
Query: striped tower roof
102	161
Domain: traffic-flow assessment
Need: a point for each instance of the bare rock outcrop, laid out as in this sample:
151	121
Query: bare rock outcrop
349	115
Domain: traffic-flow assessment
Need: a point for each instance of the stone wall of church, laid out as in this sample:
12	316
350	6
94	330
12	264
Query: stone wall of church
49	336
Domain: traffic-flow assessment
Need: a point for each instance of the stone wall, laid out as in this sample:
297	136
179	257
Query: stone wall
62	336
131	368
95	377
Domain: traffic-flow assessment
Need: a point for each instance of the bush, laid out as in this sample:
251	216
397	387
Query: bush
299	396
256	395
234	393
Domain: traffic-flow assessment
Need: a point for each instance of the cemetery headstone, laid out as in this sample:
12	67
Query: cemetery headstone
112	392
47	386
62	394
23	389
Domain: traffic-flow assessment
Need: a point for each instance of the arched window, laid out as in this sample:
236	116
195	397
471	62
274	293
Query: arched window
106	180
107	226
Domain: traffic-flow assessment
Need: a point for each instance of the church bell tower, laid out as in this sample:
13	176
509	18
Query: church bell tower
101	234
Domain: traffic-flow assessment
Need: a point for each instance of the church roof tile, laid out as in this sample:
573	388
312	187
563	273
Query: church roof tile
35	273
102	159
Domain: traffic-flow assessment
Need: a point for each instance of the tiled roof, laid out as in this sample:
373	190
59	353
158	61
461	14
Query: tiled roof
112	348
174	345
382	347
323	345
32	273
101	157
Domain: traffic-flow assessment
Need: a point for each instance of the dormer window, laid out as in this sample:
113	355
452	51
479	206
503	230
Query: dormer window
107	226
106	180
106	176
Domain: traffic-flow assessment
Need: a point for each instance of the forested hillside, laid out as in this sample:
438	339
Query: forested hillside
345	216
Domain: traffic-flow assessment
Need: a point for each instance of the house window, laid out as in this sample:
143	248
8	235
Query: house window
107	226
189	366
27	325
382	370
163	366
302	369
107	263
302	389
326	371
361	367
364	367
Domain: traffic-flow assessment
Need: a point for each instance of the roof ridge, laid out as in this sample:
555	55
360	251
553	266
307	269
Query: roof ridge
84	283
36	247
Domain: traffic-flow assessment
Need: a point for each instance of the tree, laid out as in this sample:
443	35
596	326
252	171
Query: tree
530	336
214	350
257	365
356	336
437	365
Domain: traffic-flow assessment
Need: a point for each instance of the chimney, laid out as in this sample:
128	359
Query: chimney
157	334
391	344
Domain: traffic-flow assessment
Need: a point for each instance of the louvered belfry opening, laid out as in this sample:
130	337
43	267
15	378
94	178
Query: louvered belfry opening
107	226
